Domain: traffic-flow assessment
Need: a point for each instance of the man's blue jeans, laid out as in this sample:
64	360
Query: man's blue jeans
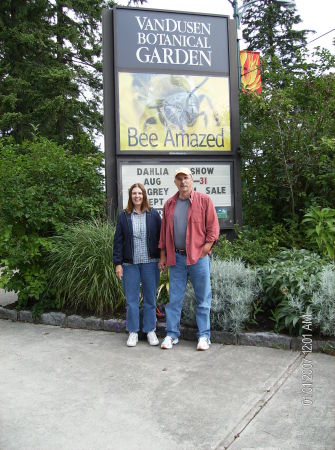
148	274
199	274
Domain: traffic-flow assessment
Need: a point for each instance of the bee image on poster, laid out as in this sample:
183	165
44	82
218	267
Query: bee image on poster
173	112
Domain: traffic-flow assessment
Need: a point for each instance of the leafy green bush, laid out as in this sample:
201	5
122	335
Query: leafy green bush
288	283
320	306
320	229
255	245
42	188
234	287
81	268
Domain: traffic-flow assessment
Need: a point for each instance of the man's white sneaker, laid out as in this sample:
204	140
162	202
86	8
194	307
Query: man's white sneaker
132	340
169	342
203	343
152	338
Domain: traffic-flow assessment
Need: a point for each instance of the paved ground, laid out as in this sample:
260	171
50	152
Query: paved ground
77	389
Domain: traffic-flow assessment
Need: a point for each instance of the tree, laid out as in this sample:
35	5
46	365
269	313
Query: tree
43	188
288	145
268	26
50	70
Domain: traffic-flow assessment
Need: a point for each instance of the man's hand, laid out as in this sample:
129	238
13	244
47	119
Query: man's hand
162	261
206	249
119	271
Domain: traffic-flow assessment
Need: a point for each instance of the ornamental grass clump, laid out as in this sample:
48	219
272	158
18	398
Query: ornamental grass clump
82	271
234	288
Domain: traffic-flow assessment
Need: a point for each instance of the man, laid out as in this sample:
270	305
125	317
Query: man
189	229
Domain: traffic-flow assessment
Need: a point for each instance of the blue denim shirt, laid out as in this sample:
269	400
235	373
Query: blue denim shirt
123	251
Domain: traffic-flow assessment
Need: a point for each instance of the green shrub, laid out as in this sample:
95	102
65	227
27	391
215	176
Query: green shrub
288	283
81	268
254	246
234	288
319	305
320	229
42	188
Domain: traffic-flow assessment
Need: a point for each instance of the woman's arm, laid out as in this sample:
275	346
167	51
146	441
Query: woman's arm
118	242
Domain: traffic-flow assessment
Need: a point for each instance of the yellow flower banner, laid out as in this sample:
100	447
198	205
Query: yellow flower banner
250	71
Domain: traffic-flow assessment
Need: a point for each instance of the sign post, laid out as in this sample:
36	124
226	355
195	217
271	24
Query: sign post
172	79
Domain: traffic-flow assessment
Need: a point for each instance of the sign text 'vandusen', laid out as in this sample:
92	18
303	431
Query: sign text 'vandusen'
170	41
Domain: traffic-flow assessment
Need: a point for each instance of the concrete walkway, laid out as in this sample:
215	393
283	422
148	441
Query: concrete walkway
77	389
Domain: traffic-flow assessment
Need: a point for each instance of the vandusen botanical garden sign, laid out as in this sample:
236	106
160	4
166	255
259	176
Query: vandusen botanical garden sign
170	99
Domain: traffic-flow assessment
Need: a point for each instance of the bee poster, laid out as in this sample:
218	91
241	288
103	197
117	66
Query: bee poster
173	112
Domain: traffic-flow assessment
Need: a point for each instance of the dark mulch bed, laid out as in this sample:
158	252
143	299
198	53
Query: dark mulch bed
262	323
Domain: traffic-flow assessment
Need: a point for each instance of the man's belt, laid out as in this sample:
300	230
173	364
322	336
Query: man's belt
181	251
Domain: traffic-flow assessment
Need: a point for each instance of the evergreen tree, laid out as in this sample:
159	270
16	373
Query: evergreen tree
50	70
288	144
268	26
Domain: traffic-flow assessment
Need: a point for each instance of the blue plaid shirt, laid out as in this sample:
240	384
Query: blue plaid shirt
140	239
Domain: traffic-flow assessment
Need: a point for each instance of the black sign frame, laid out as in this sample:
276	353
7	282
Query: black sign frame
113	155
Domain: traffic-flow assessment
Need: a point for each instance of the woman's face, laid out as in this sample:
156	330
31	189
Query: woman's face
137	196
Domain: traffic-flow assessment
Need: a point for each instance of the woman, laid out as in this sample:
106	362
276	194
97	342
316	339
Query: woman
136	256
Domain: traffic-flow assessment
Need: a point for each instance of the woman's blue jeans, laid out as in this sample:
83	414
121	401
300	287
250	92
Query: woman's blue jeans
199	274
148	274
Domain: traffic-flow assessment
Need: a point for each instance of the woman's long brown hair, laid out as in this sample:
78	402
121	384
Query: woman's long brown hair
145	204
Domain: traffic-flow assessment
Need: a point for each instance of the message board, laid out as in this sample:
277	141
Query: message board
158	179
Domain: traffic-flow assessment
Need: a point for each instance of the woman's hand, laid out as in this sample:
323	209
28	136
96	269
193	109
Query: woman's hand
119	271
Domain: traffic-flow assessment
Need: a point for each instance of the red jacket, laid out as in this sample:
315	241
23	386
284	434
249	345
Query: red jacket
202	227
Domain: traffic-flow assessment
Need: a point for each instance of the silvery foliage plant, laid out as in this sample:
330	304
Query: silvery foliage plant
323	302
234	288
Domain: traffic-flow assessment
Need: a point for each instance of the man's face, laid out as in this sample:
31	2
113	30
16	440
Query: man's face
184	184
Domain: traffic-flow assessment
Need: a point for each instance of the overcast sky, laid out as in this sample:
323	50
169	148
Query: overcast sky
316	15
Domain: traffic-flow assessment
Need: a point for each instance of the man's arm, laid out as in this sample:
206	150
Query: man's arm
161	244
212	227
206	248
162	261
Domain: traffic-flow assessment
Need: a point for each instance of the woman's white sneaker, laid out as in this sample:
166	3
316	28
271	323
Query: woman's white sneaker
132	340
152	338
169	342
203	343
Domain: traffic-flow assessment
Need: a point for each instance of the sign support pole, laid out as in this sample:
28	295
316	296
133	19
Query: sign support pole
109	114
